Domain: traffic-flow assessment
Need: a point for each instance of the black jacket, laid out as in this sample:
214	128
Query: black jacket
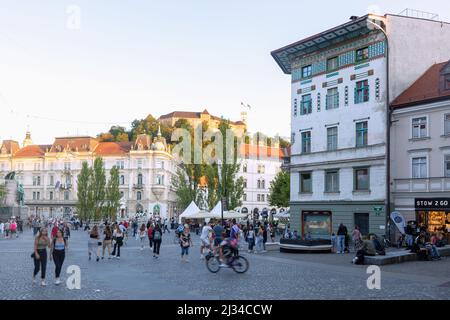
342	231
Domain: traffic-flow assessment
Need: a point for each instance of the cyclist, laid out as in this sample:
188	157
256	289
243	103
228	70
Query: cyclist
229	245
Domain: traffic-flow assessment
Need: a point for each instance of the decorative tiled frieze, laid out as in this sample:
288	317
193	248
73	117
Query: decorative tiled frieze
332	83
295	107
346	96
362	75
318	102
306	90
377	89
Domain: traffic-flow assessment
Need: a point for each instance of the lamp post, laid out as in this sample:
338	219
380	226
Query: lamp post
222	199
388	118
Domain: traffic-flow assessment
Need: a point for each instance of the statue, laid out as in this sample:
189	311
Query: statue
10	176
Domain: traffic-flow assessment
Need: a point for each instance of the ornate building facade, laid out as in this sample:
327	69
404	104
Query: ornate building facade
48	173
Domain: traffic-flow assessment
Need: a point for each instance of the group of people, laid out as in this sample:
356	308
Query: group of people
256	236
10	229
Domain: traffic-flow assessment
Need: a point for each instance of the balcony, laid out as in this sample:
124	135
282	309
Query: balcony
138	186
158	189
422	185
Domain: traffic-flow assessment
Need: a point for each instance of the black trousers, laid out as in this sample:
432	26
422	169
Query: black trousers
150	241
40	264
58	258
156	246
117	245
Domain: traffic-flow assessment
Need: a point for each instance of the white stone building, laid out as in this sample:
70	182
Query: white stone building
48	173
339	115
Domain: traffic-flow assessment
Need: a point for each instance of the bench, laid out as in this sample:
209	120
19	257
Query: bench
400	256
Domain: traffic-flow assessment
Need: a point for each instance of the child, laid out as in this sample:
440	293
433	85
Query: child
333	243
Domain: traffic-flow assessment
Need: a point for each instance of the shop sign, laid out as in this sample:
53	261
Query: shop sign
432	203
378	210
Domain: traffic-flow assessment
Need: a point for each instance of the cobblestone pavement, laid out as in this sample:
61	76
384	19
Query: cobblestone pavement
272	275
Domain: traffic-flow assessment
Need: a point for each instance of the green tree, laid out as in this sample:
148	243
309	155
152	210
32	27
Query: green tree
97	184
280	189
84	207
112	195
186	185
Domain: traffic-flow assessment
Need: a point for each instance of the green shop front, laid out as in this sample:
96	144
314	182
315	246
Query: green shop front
320	220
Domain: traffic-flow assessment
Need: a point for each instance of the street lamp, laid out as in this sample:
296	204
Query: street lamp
372	24
219	164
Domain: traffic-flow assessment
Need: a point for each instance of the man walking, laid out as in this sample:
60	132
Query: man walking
342	234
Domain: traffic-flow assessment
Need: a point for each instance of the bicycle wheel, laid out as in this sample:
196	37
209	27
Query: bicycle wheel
213	264
240	264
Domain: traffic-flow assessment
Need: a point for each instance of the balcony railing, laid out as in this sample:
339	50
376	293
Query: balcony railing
138	186
422	185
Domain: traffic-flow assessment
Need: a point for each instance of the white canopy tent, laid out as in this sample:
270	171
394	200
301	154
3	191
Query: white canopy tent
283	214
190	211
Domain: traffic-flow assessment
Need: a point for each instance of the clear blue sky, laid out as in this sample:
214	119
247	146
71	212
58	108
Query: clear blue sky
131	58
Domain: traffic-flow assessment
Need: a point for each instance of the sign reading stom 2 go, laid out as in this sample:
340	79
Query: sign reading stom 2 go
432	204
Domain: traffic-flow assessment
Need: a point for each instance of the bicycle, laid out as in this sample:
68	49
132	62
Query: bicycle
238	263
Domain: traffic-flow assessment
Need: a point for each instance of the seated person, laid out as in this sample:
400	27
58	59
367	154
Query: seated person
368	248
378	246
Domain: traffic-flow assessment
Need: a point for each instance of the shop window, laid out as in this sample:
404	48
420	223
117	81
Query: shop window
316	225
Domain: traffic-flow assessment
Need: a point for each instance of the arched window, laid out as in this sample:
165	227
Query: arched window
140	179
245	183
139	195
259	184
122	180
263	184
244	168
121	194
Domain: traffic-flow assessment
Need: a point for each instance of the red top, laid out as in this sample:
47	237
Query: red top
54	230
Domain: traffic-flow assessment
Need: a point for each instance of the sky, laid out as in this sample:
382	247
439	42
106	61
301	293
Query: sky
78	67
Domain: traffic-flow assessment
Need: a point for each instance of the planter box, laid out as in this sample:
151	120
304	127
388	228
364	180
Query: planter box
316	245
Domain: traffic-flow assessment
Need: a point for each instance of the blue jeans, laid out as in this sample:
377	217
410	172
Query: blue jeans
409	240
341	243
251	243
184	251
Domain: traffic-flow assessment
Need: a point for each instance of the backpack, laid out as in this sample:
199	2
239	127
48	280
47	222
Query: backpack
157	235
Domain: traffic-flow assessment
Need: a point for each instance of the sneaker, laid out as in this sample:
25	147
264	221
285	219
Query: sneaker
34	280
43	283
57	282
223	265
98	259
202	257
103	258
118	258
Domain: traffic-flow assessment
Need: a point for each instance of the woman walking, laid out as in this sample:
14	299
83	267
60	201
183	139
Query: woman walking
94	243
150	234
58	253
185	243
118	241
250	237
107	242
260	240
356	238
40	254
157	238
142	235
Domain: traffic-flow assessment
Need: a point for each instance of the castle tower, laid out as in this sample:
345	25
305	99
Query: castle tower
27	141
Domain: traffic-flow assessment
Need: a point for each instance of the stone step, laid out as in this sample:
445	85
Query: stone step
399	256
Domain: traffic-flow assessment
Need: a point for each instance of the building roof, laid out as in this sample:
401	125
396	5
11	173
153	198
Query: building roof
427	88
31	151
113	148
349	30
75	144
9	146
255	151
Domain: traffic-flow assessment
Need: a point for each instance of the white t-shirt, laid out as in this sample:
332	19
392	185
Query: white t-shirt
205	231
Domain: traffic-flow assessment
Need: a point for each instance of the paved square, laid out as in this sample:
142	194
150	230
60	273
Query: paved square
272	275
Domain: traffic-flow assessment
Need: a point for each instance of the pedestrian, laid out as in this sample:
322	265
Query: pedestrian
2	228
58	253
39	255
205	238
94	243
142	235
54	230
272	232
264	238
218	231
13	229
250	238
157	239
333	242
166	225
66	231
150	234
185	243
341	234
107	238
356	238
7	225
118	241
260	240
409	236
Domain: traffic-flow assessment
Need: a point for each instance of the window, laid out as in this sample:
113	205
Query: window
245	183
140	179
362	54
52	181
305	182
306	142
258	198
139	164
447	166
51	195
244	197
66	165
447	124
419	167
362	179
244	168
332	64
66	195
121	194
162	164
120	164
306	104
259	184
362	91
139	195
38	181
307	71
122	180
447	83
419	127
332	138
262	197
361	134
332	98
332	181
34	195
263	184
68	180
159	179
